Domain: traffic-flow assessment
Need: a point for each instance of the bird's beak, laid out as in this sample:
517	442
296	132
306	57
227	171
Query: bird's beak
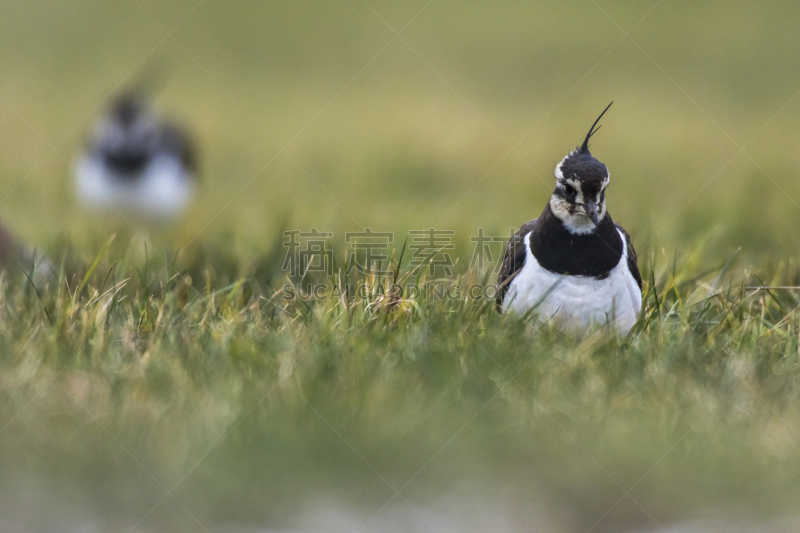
591	211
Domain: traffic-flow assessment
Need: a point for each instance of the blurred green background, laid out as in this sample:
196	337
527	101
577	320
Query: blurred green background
408	132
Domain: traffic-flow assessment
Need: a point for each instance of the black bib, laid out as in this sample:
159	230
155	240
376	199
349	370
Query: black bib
559	251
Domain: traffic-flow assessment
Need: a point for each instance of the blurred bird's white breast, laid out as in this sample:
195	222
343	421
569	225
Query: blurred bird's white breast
162	189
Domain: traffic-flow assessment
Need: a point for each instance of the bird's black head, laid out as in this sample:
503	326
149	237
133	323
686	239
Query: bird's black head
579	198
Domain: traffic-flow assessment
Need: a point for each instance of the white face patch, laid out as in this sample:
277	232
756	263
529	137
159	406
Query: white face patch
576	223
558	174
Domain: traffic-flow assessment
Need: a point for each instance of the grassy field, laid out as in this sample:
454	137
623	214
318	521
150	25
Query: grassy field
250	408
165	381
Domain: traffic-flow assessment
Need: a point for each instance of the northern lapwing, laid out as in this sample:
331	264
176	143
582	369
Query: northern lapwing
573	264
136	162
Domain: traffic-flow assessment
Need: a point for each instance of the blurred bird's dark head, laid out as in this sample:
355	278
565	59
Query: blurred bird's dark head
127	109
128	134
579	198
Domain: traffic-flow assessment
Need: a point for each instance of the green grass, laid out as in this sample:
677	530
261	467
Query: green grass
117	388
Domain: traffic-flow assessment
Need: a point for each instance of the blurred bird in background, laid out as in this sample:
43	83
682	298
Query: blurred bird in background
137	162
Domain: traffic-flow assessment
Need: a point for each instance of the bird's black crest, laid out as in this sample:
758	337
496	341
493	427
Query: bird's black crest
584	148
581	164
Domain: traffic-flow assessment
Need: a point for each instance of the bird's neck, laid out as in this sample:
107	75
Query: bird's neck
559	250
553	224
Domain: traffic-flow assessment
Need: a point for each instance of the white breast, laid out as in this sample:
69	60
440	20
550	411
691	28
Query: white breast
576	302
163	189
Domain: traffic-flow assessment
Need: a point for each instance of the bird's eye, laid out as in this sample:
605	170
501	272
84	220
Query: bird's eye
570	189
